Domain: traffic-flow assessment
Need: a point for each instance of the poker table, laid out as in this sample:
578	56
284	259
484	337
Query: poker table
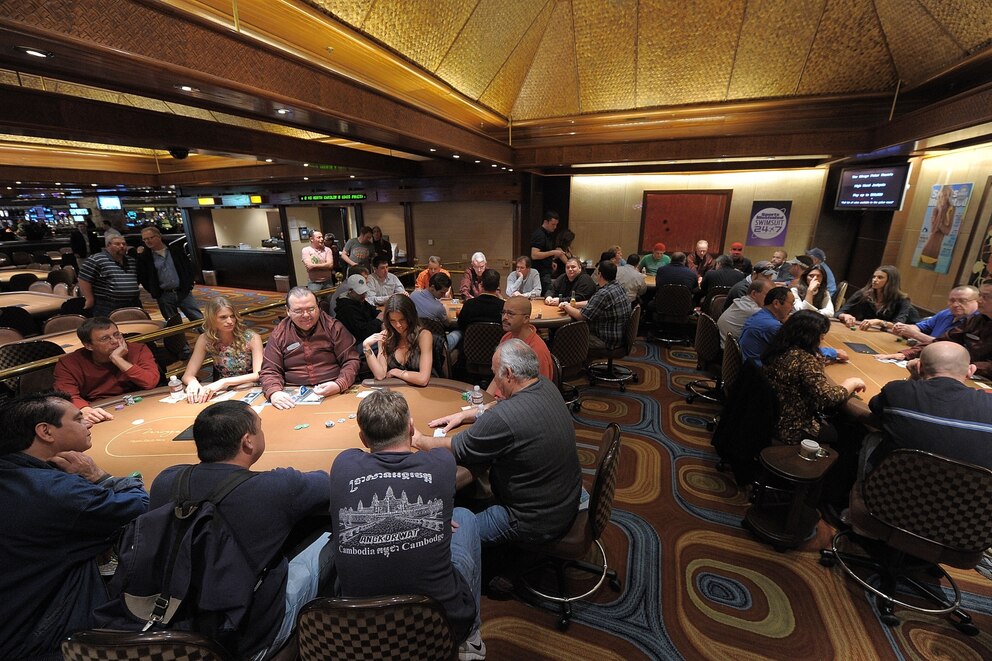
8	273
39	304
140	437
541	315
650	281
875	374
69	341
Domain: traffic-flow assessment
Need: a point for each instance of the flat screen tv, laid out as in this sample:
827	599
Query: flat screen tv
881	187
109	202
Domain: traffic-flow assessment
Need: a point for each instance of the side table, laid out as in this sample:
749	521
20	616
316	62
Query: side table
787	523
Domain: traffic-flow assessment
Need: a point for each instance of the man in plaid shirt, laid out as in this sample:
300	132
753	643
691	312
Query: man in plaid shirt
607	311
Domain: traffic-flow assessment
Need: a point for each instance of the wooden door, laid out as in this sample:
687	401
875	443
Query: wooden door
681	218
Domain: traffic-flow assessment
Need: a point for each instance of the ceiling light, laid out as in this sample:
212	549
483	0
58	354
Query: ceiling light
352	176
510	170
93	185
10	188
455	156
186	88
283	111
58	183
306	178
268	160
18	183
34	52
432	149
503	168
477	161
495	165
306	165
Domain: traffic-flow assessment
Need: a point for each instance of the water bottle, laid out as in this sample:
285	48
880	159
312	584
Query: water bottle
175	385
478	402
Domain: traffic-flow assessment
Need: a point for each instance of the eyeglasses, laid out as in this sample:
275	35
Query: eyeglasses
303	312
504	313
961	300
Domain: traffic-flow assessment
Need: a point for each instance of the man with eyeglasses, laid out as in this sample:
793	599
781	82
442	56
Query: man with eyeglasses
962	304
105	366
310	348
515	319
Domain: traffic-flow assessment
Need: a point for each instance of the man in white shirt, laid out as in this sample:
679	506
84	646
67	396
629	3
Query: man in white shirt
524	281
733	318
629	277
319	262
382	284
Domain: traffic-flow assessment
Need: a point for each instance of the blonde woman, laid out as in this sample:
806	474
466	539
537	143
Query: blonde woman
236	351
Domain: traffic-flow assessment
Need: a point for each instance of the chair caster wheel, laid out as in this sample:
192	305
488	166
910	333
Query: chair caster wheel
967	628
689	399
622	388
710	426
615	585
890	620
827	559
633	379
577	406
562	623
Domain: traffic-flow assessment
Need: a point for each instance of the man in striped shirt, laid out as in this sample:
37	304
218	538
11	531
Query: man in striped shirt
109	280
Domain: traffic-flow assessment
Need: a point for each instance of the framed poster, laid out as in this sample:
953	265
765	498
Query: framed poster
935	245
979	270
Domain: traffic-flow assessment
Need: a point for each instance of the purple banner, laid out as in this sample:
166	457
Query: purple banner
768	224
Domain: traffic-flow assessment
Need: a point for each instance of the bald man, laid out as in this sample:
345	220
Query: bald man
516	323
939	412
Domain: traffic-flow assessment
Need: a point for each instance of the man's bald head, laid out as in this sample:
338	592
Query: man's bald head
516	314
948	359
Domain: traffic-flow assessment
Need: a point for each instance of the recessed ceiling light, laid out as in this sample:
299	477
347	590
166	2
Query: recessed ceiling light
18	183
34	52
477	161
306	165
268	160
352	176
93	185
10	188
58	183
495	165
306	178
455	156
503	168
186	88
432	149
283	111
510	170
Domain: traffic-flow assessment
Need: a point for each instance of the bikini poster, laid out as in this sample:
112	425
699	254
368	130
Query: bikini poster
768	224
981	269
935	246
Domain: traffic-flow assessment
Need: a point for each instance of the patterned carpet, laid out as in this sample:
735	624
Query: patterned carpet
695	584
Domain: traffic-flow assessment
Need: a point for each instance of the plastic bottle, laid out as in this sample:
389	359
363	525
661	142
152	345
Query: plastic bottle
175	385
477	401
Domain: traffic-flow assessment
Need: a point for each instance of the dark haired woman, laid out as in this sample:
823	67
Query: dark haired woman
381	246
880	303
404	348
811	292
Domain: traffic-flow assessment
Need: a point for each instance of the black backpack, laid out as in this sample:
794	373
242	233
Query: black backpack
180	567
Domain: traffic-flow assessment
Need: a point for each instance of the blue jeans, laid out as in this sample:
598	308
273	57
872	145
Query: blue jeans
453	338
317	286
466	554
495	526
169	304
302	581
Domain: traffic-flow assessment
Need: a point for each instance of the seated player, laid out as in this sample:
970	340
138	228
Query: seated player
962	303
472	285
105	366
534	467
440	554
429	305
487	306
650	264
433	267
309	348
354	311
607	311
60	512
382	284
236	352
342	289
404	350
261	513
524	281
740	262
573	283
516	323
880	303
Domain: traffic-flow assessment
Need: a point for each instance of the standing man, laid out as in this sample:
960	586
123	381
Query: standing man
382	284
820	259
535	472
359	251
543	251
309	348
108	279
607	311
390	494
701	260
61	511
167	274
105	366
79	242
318	260
471	284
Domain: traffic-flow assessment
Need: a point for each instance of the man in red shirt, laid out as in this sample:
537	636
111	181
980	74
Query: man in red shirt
105	366
516	323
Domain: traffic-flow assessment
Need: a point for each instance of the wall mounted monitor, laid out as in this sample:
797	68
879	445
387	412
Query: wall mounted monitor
880	187
108	202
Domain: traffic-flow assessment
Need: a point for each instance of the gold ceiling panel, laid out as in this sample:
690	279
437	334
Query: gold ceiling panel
551	88
606	51
968	21
505	87
919	45
352	12
77	145
422	30
773	45
685	51
849	53
485	43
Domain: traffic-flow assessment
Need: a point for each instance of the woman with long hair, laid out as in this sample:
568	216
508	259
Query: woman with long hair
405	349
794	368
811	292
879	304
381	246
564	243
236	351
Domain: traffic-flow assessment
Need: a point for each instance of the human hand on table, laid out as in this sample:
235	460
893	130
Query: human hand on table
94	415
449	422
842	356
853	385
551	301
847	319
890	356
282	400
327	389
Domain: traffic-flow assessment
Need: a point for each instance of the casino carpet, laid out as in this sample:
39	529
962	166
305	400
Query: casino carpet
695	584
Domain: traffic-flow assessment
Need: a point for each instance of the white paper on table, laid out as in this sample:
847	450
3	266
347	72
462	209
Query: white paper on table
439	432
257	408
365	393
174	398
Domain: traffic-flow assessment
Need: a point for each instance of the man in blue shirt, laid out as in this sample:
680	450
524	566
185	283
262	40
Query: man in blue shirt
60	511
962	303
429	305
167	274
761	326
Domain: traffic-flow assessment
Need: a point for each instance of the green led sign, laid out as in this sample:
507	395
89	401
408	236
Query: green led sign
333	197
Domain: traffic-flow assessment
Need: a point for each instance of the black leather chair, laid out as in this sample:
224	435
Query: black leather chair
399	628
443	360
672	309
913	513
709	358
19	319
570	551
478	345
606	370
21	353
74	305
98	645
569	349
21	281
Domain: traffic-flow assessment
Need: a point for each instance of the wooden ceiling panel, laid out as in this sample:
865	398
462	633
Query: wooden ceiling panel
505	87
353	12
606	52
775	40
849	53
685	51
551	88
920	46
484	44
968	21
423	30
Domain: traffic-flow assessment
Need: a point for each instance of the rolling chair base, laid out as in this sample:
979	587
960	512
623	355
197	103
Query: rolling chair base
710	390
610	373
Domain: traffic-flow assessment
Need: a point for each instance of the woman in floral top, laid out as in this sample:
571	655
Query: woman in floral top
794	367
236	351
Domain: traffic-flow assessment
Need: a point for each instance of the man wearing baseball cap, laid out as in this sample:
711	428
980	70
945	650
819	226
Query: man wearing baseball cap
820	259
741	263
357	315
651	263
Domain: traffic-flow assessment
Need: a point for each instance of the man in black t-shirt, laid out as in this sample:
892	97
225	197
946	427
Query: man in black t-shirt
395	529
543	251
